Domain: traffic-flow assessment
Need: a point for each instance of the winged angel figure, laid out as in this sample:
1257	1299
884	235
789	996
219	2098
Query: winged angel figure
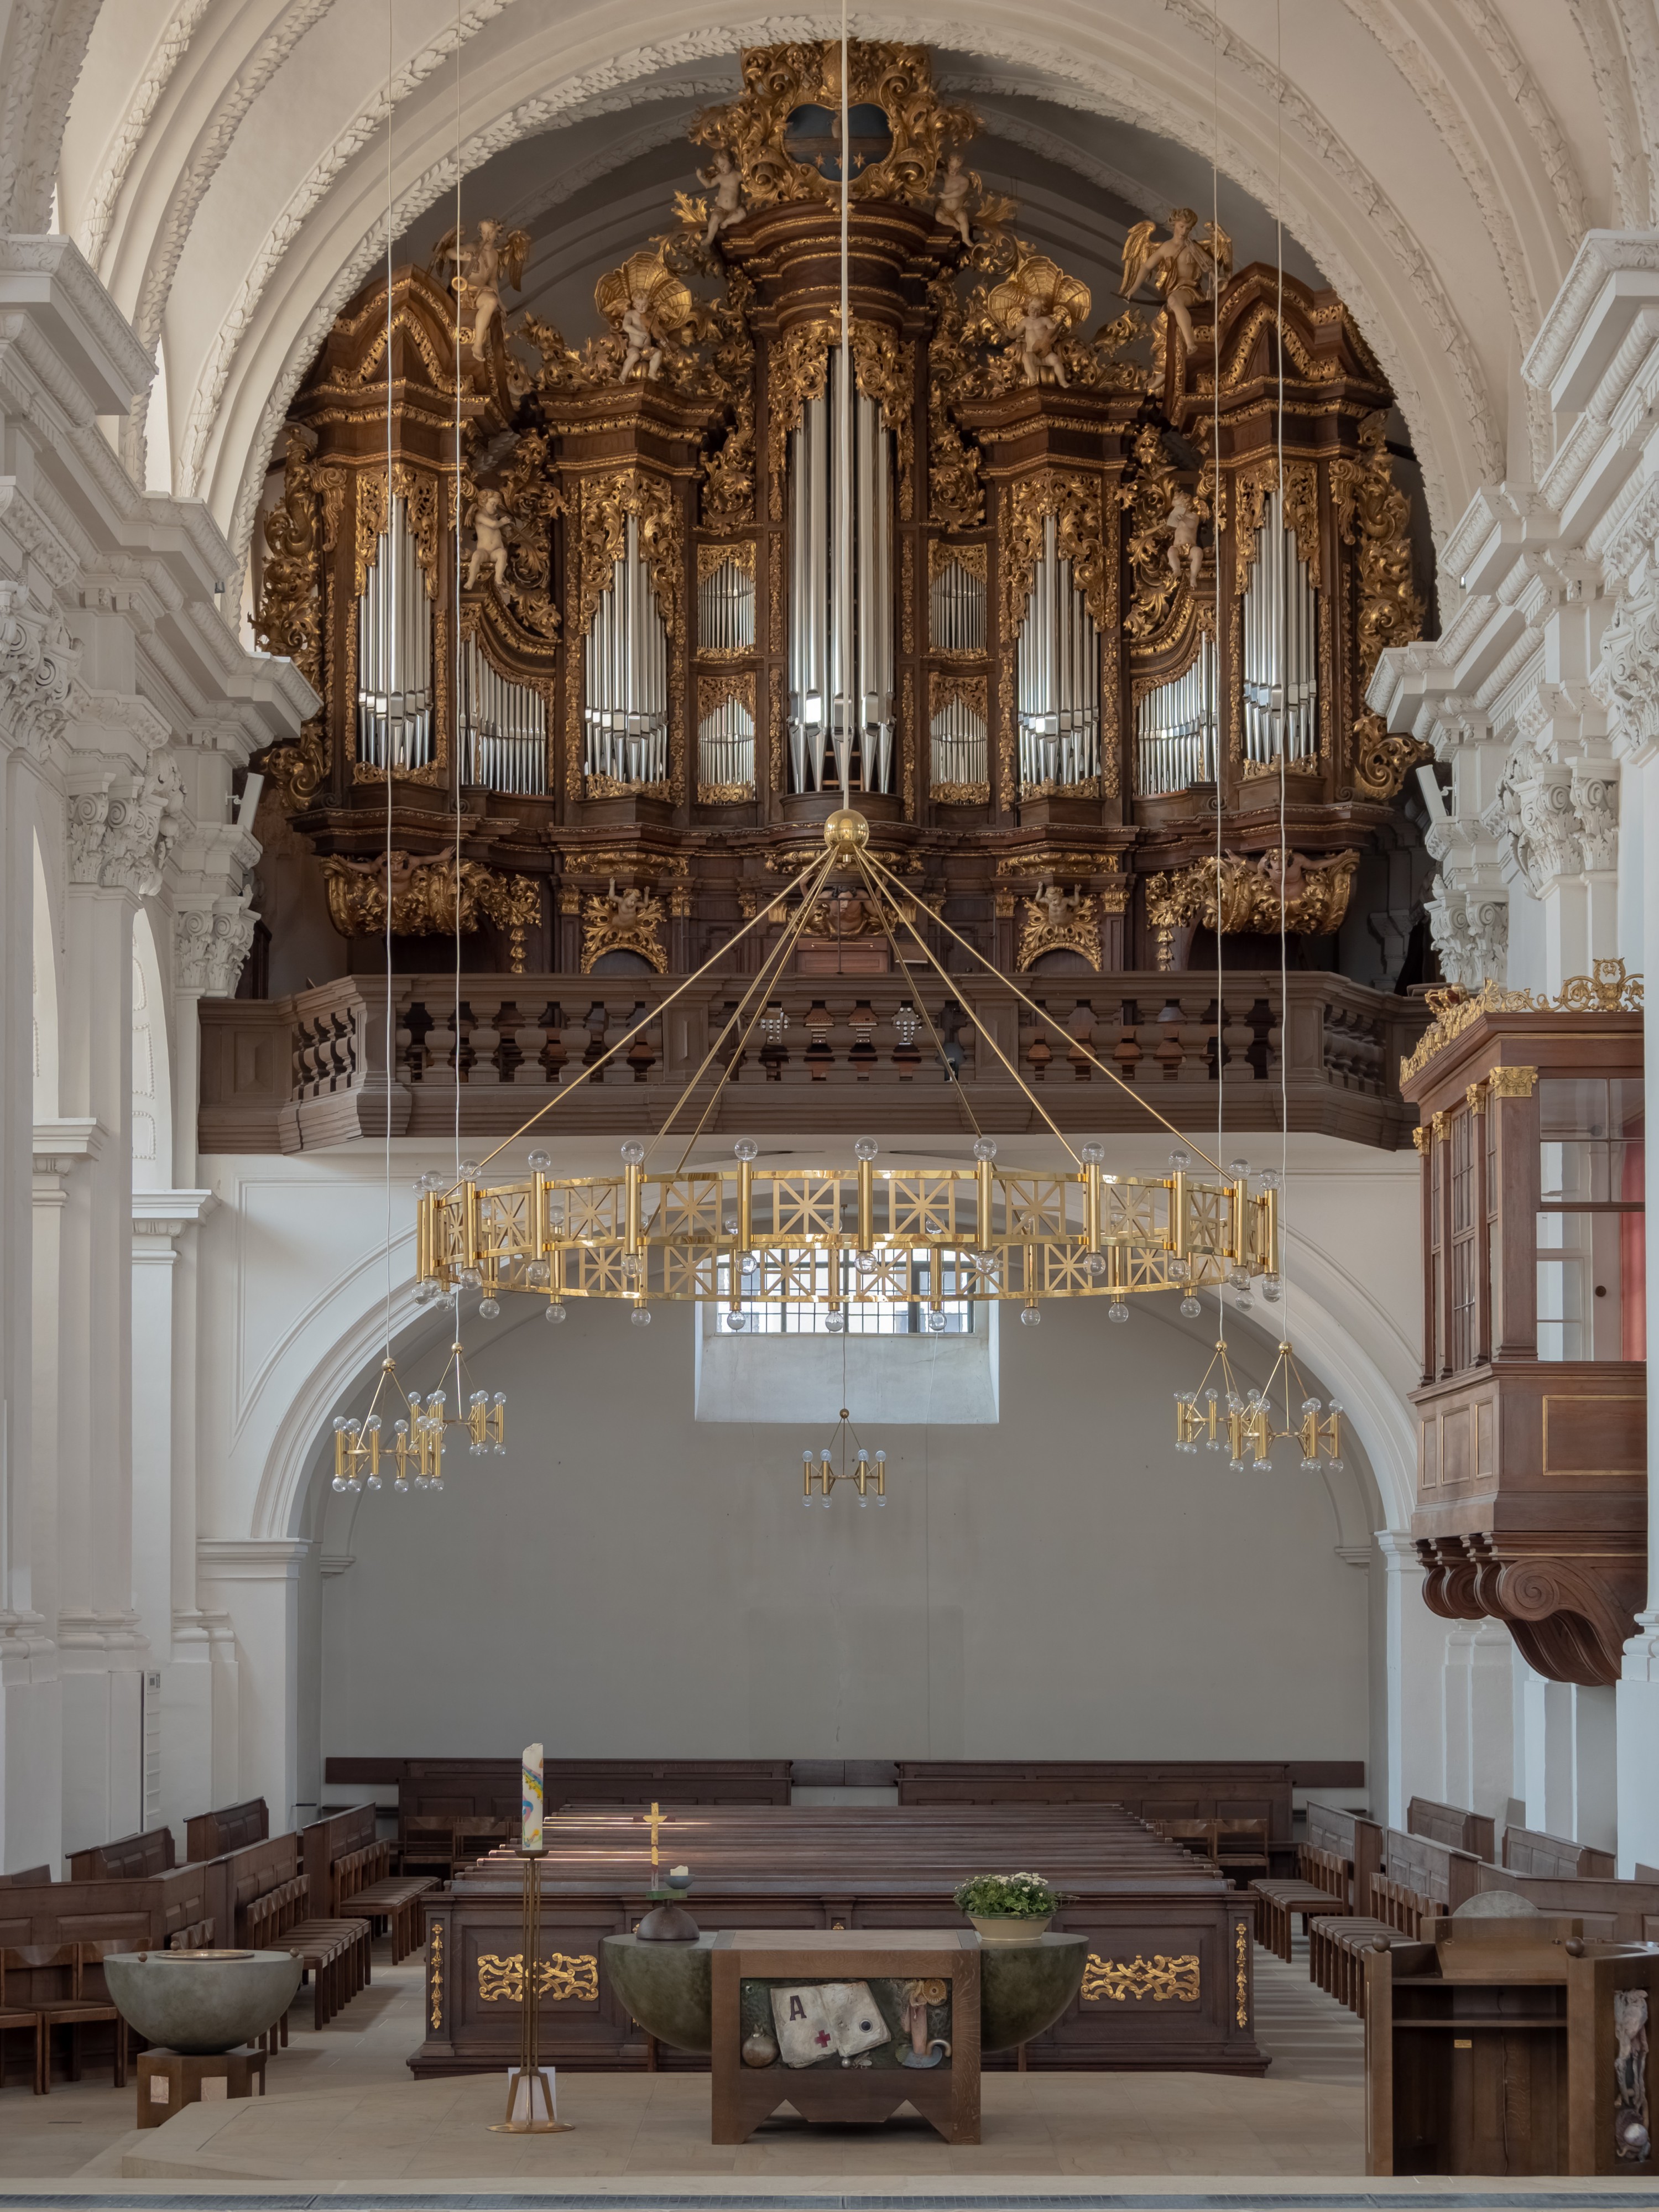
1186	266
491	260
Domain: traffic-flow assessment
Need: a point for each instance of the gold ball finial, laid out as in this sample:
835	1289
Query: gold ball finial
846	830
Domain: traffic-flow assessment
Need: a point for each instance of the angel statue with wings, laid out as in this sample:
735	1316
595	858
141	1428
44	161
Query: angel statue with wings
1186	266
482	269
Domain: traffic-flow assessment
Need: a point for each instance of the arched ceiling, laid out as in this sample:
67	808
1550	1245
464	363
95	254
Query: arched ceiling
225	165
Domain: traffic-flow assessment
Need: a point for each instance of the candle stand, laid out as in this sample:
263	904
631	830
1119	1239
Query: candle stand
527	2082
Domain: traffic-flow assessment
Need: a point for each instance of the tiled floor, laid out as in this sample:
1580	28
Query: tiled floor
342	2107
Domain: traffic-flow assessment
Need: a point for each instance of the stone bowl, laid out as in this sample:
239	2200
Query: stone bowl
669	1989
201	2001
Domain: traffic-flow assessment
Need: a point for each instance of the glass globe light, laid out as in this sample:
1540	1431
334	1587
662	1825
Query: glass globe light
865	1149
555	1314
936	1321
539	1160
1244	1303
488	1307
1118	1311
736	1323
1095	1262
1190	1307
985	1148
467	1170
1270	1178
1030	1316
730	1224
1092	1155
745	1148
1311	1404
641	1317
1239	1170
834	1324
1272	1289
633	1151
1181	1158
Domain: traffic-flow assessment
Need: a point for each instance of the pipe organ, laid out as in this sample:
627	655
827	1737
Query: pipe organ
503	728
1176	727
394	654
646	601
841	598
1058	679
1281	688
626	712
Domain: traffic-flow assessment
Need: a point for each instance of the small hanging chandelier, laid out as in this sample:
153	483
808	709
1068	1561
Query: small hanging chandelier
1223	1417
417	1444
868	1475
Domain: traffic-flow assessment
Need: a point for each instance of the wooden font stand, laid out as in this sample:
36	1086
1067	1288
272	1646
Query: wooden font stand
527	2078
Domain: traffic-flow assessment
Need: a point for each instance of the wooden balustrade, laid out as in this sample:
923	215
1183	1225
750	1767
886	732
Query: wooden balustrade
294	1073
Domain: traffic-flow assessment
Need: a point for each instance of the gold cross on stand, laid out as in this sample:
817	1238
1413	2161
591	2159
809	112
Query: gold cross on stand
656	1821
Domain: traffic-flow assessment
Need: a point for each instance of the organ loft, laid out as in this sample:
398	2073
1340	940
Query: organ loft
572	600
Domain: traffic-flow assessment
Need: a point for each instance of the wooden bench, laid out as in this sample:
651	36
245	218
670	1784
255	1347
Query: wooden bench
263	1899
1460	1831
1612	1912
1337	1947
1323	1888
212	1835
348	1870
151	1852
1529	1851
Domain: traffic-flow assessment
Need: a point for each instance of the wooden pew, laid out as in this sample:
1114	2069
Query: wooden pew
1450	1824
260	1896
1339	1946
348	1874
1153	1790
1612	1912
128	1856
27	1878
1529	1851
210	1835
1170	1978
1444	1874
136	1913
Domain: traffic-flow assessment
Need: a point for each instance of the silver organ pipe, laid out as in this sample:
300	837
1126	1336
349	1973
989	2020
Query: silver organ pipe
503	728
1175	730
1058	681
960	755
957	610
1281	648
726	748
816	559
394	654
626	684
725	610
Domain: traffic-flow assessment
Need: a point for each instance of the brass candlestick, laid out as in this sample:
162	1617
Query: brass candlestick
528	2070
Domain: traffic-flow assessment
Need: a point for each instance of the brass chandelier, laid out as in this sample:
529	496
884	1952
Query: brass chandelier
835	1238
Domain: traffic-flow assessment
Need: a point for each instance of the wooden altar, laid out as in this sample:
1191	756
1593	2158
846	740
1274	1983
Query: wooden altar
1167	1983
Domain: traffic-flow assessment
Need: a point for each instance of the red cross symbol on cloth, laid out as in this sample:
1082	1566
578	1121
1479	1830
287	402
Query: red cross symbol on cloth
821	2039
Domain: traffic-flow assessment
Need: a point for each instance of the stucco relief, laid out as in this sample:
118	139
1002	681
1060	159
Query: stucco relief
38	660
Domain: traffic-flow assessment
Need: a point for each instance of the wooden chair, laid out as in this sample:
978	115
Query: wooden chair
1197	1837
428	1844
77	2010
1239	1847
14	2016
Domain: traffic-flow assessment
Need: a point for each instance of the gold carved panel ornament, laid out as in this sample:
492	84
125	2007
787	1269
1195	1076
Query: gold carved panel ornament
1241	1975
436	1976
1311	895
626	921
806	73
429	898
564	1977
1373	514
1160	1979
1606	990
1055	922
1252	488
423	495
956	496
884	369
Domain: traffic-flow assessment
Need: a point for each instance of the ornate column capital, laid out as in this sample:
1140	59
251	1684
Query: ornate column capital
121	829
210	942
1626	678
38	661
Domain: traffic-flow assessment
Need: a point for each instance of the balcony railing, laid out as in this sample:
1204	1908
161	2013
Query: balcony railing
297	1074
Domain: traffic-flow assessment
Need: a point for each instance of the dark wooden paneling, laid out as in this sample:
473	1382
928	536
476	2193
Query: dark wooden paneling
152	1852
1459	1830
210	1835
1527	1850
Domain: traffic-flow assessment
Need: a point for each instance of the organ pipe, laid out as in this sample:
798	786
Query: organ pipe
959	749
625	714
726	748
394	654
1280	646
1058	680
725	610
503	728
1175	730
957	610
853	616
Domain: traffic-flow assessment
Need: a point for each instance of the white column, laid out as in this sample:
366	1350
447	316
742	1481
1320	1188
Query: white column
1570	1762
1477	1702
1415	1661
256	1582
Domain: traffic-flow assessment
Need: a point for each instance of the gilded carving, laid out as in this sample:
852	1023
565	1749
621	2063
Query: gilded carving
1157	1978
629	921
1036	306
1241	1975
1163	519
427	896
1316	894
714	688
423	497
907	595
774	729
563	1977
884	370
1189	265
290	616
1609	990
728	495
956	497
711	559
1421	1139
1511	1083
904	737
775	593
494	258
435	1975
797	367
778	80
1373	514
1055	922
1253	485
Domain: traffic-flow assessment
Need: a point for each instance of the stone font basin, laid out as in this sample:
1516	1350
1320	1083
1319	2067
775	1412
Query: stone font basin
669	1988
201	2001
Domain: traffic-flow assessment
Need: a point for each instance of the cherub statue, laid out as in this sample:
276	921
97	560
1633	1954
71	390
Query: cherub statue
644	344
1056	906
624	903
1184	267
1286	874
482	269
489	540
725	181
1035	333
950	200
1183	552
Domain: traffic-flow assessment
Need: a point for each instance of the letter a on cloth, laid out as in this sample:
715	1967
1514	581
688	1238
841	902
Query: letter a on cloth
827	2020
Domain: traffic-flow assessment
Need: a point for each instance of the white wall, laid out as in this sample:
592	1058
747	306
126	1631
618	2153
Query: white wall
1061	1583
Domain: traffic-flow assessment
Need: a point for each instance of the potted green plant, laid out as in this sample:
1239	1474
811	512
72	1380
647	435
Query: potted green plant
1009	1908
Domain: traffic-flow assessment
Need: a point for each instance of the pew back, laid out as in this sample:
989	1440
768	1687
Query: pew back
210	1835
342	1855
238	1879
1612	1912
1347	1836
1445	1876
126	1858
146	1911
1154	1790
1460	1831
1529	1851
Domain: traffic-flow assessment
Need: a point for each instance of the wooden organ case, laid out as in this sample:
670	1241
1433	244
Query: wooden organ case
592	632
1532	1461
